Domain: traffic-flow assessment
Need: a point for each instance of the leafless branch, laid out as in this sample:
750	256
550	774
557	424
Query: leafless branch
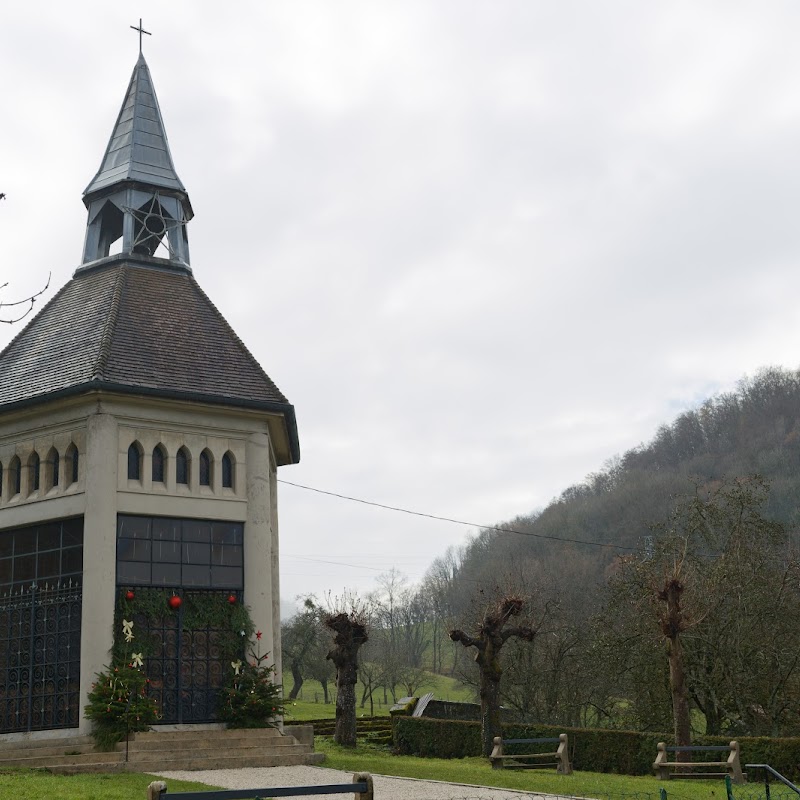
27	302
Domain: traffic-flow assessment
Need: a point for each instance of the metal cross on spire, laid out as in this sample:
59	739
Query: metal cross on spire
141	31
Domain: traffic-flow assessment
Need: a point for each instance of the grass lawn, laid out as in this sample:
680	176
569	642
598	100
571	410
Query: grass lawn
310	705
36	784
477	771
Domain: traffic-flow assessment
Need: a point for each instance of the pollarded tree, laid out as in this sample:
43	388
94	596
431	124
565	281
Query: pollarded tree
349	623
493	632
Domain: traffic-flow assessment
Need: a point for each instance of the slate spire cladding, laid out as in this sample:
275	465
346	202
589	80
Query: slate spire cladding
133	322
136	194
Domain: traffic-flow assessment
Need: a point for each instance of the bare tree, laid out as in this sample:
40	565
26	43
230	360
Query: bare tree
492	635
349	622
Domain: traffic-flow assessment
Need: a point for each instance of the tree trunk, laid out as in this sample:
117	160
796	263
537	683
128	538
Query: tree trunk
345	731
324	684
490	711
297	680
680	697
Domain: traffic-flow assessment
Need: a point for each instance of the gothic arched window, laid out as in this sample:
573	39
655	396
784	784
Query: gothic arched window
205	468
227	471
34	464
182	466
72	464
159	458
15	476
134	462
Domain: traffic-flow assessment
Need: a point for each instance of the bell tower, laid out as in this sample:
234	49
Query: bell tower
136	194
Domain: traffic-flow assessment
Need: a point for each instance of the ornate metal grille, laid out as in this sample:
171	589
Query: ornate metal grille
187	668
40	654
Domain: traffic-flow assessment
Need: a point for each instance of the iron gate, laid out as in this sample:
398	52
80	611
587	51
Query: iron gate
187	667
40	655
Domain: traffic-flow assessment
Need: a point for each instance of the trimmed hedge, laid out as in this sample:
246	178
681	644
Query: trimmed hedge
592	749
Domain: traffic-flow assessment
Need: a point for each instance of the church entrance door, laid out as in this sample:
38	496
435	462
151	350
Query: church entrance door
187	665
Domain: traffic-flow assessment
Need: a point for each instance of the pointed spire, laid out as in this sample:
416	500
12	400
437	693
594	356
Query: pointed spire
138	149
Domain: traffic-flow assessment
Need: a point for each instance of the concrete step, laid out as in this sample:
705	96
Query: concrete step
24	751
188	754
33	761
168	764
204	745
63	743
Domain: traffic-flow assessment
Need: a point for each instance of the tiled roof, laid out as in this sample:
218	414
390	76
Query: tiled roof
138	149
134	328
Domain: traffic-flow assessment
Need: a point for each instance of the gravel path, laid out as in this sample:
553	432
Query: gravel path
386	788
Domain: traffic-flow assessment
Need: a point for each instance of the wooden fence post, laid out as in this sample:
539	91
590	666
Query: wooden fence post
364	777
155	790
563	766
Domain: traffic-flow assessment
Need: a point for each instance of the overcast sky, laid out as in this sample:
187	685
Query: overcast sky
481	246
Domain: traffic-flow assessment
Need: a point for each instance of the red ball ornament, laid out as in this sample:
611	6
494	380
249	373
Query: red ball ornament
232	599
129	595
174	602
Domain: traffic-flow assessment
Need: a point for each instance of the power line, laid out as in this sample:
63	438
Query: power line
562	539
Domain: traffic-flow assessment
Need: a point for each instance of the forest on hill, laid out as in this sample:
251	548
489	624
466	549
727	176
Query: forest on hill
682	549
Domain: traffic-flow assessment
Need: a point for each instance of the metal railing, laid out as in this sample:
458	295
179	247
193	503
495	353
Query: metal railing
769	771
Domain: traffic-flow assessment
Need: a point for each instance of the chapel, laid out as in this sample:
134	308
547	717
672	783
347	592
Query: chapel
139	443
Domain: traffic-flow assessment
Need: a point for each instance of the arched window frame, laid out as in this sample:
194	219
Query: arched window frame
35	472
182	467
206	467
159	466
228	470
73	464
52	474
135	453
15	476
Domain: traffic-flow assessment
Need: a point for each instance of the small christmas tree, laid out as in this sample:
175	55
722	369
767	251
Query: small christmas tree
251	698
118	702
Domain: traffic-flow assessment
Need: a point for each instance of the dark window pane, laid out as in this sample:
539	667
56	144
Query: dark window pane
49	565
166	575
229	577
1	480
205	469
6	544
134	527
55	469
133	572
16	476
196	553
168	530
25	541
49	537
71	560
227	555
158	465
181	467
72	531
227	471
196	531
226	533
133	550
196	576
24	569
5	570
166	552
134	463
75	458
35	463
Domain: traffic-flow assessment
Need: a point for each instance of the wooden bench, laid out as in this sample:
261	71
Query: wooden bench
558	759
666	769
361	788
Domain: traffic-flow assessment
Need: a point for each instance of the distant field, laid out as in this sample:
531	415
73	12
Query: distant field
310	704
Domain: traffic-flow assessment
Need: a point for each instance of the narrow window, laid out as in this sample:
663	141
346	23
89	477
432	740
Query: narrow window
158	464
134	463
55	467
227	471
35	464
1	480
72	463
205	468
15	476
182	467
